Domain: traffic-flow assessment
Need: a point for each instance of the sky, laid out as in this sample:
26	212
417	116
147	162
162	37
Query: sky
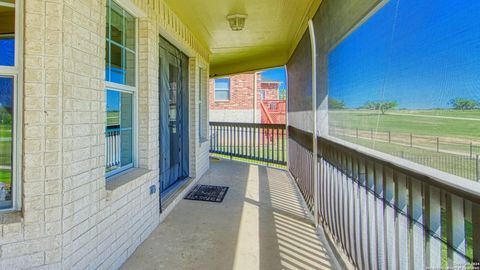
276	74
421	54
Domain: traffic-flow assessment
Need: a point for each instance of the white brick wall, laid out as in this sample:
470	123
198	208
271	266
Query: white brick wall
69	220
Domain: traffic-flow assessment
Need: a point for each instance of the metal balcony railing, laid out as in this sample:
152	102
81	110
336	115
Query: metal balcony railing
388	213
262	142
112	149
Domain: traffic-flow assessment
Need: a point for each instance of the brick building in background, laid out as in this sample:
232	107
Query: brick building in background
232	99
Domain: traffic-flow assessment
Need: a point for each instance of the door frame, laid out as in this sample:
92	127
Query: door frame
166	51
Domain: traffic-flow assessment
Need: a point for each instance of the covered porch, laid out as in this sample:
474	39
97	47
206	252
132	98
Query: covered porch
261	224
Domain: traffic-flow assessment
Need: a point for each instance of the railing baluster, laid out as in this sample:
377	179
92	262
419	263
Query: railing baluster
389	193
363	214
344	202
350	227
371	206
402	222
380	216
476	232
433	219
417	238
278	148
456	230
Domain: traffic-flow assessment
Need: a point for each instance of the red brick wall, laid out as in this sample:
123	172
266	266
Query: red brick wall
241	93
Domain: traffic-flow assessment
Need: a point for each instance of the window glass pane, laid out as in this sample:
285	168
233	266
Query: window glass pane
127	146
222	84
405	82
117	71
107	61
130	68
121	38
116	26
126	111
113	109
222	95
126	128
119	130
7	34
130	31
6	138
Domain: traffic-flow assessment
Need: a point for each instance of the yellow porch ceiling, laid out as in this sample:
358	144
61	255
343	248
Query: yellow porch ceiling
272	30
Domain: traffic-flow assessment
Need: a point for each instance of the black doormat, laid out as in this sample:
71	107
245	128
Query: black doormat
207	193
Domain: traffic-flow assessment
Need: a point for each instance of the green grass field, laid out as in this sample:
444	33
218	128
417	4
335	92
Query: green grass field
6	154
113	118
453	164
259	153
455	131
404	121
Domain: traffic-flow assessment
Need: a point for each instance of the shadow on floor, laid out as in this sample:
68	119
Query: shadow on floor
261	224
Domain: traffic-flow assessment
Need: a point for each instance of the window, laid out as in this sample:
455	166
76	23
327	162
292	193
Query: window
9	77
222	89
201	106
405	82
121	42
120	74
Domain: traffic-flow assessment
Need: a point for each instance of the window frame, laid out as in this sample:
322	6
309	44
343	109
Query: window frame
133	90
228	90
16	72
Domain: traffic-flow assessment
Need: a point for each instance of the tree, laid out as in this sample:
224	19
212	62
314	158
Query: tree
335	104
370	105
387	105
463	104
382	106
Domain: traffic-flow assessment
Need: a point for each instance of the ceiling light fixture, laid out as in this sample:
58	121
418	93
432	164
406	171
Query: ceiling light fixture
236	21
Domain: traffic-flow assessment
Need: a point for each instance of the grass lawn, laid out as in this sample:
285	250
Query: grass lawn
456	165
402	121
5	176
259	153
5	153
113	118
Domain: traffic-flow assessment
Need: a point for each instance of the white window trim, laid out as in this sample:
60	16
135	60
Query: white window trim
134	11
17	73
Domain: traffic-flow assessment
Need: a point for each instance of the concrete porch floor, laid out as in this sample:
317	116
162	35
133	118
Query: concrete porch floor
261	224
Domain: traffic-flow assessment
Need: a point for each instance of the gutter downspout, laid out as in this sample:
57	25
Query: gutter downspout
314	119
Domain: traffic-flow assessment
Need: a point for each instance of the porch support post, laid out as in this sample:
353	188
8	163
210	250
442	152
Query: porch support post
314	119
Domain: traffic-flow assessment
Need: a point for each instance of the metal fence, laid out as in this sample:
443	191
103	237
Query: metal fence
262	142
455	156
440	144
464	166
385	216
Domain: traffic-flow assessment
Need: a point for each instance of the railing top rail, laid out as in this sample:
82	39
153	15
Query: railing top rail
279	126
459	186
